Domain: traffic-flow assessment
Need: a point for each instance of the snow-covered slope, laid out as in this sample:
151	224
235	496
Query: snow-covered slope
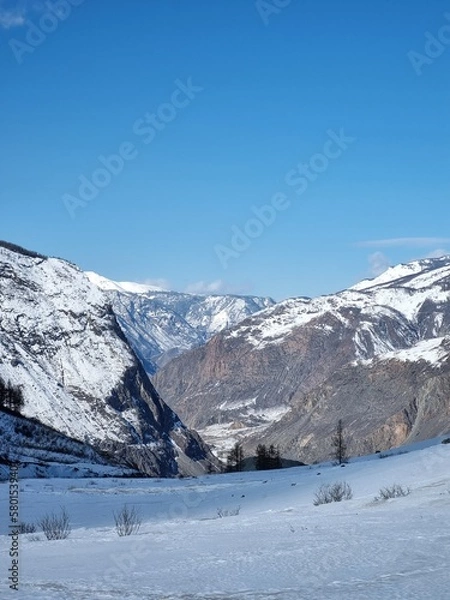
60	341
44	452
161	325
127	287
400	293
287	359
277	545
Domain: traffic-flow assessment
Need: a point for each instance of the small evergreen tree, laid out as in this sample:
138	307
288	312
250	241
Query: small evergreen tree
339	445
267	458
2	394
11	397
235	458
261	457
274	458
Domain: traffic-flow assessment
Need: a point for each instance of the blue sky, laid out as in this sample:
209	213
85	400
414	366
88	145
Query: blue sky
212	110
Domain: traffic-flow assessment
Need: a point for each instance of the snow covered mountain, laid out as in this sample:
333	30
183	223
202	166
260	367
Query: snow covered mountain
60	341
376	355
161	325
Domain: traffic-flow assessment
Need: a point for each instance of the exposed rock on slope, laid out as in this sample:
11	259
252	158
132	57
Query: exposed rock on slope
384	402
287	374
60	340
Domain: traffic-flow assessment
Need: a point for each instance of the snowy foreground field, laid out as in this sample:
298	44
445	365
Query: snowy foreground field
279	547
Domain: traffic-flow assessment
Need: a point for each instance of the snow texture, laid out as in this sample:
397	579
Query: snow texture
278	547
399	294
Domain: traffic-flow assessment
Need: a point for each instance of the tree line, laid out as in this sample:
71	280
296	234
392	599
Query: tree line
11	397
269	457
266	458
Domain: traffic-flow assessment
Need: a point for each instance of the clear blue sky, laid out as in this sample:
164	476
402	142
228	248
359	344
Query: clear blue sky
265	88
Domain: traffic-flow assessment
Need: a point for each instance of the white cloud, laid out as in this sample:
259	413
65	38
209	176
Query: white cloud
14	14
378	262
438	253
203	287
11	18
404	241
162	283
219	287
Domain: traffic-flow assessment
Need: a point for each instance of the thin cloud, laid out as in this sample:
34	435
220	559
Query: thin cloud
14	14
404	242
164	284
219	287
438	253
11	18
203	287
378	262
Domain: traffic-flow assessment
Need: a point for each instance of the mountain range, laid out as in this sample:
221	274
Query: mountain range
82	347
161	325
376	355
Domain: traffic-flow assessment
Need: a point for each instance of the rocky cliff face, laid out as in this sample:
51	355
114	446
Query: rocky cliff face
60	341
375	355
384	403
161	325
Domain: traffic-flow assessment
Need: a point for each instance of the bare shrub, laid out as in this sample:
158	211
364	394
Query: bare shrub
395	491
128	521
333	492
26	527
56	527
232	512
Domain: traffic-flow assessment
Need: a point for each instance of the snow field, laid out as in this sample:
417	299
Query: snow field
279	546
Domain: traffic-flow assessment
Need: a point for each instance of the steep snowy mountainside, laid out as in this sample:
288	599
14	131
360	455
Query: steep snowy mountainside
60	341
161	325
43	452
249	381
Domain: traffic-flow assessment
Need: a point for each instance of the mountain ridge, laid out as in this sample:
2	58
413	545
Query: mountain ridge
248	382
161	324
60	340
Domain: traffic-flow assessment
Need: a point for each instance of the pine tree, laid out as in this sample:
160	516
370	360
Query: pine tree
19	401
261	457
267	458
235	458
274	459
2	394
11	397
339	444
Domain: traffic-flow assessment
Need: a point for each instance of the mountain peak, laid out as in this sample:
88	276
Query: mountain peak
402	273
125	287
